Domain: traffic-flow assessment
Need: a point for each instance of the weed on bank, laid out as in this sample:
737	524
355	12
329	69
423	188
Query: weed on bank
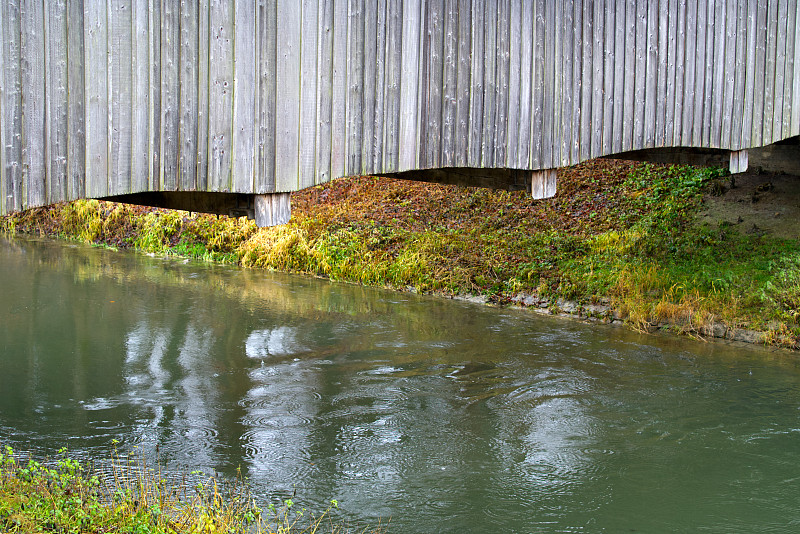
618	233
130	496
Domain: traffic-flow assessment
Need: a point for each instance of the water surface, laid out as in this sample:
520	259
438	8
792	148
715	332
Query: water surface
441	415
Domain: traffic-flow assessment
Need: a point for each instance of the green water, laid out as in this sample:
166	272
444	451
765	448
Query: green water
443	416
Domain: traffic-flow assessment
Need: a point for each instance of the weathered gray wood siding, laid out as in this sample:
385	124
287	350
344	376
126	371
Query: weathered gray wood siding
110	97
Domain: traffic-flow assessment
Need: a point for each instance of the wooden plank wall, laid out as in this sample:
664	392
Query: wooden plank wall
111	97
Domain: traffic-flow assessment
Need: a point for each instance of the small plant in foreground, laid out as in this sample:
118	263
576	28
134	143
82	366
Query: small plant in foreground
130	496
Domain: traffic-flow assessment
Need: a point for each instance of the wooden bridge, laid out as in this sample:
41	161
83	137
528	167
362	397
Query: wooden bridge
227	106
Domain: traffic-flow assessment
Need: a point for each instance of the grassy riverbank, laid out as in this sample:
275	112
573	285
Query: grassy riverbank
130	496
620	241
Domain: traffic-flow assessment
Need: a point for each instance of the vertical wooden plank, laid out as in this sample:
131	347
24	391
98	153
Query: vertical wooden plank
702	67
794	125
476	86
339	92
651	85
489	83
120	60
500	139
791	68
170	95
188	79
759	75
203	84
267	89
409	84
565	65
4	194
688	97
244	96
718	92
551	85
770	71
379	39
587	83
680	69
640	76
34	135
609	77
740	38
629	106
672	60
449	84
738	161
287	116
56	98
712	28
370	55
779	42
464	66
220	96
577	81
432	81
749	90
598	59
663	74
308	93
139	95
76	138
619	74
391	121
96	106
272	209
324	89
154	95
526	87
729	74
543	184
355	87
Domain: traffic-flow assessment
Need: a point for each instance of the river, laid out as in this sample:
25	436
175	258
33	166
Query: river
438	415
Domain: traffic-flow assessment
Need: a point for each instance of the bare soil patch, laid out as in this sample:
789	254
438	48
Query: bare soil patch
757	204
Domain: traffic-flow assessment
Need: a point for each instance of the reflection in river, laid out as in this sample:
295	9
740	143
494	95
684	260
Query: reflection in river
444	416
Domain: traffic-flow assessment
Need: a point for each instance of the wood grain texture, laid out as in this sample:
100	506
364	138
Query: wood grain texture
267	90
339	90
154	94
794	125
170	96
477	89
244	96
324	90
287	97
263	96
56	100
96	94
409	79
121	124
392	76
189	102
354	104
76	118
140	103
220	96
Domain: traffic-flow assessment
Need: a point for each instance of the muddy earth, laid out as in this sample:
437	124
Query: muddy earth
756	203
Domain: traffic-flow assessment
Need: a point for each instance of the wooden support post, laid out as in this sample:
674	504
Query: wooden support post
543	184
272	209
739	161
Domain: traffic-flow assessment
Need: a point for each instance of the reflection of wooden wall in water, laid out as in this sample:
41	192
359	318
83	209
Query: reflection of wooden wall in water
107	98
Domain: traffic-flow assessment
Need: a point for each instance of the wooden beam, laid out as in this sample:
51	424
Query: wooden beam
739	161
273	209
543	184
